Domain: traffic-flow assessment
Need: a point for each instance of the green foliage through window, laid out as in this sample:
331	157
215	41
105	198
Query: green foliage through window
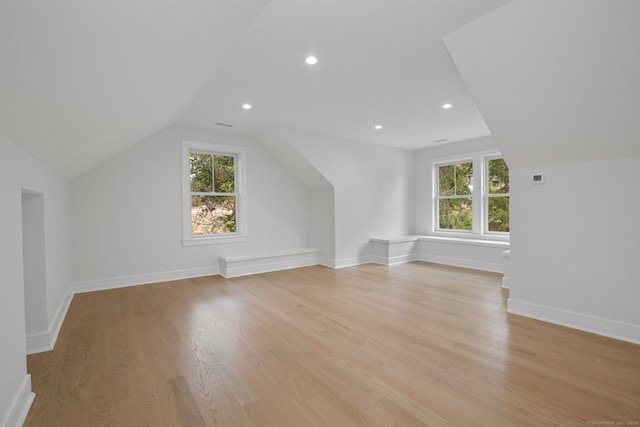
456	194
455	185
498	189
213	198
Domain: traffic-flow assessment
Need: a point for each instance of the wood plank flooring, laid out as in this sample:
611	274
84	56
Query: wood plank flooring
410	345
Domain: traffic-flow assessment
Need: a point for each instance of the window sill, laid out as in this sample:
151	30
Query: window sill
204	241
467	241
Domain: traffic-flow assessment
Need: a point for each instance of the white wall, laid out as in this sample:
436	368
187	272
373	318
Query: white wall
373	189
34	263
127	213
323	225
575	246
18	171
555	97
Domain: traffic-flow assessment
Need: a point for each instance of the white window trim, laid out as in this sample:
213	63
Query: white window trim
241	233
479	210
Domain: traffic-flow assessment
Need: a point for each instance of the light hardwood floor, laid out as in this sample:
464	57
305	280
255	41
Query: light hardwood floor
414	344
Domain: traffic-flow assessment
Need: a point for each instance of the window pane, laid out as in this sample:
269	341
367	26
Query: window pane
498	177
213	214
200	172
455	214
499	213
464	178
447	181
224	167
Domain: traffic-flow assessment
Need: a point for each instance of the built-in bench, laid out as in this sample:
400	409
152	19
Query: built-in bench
487	255
394	250
506	278
478	254
234	266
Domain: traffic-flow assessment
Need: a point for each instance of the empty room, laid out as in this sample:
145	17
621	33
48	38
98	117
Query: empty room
319	213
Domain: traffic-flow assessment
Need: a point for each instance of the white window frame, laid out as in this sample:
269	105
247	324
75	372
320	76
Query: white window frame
436	194
240	154
479	197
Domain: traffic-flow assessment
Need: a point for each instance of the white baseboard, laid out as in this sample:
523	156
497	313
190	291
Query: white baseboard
597	325
143	279
246	265
20	404
351	262
58	318
506	282
456	262
327	262
45	341
393	260
462	262
37	343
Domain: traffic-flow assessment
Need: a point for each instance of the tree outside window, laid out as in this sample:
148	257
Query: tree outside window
497	196
213	197
213	193
455	187
460	206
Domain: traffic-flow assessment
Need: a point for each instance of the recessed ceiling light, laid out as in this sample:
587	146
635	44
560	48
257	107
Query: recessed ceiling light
311	60
446	106
246	106
377	127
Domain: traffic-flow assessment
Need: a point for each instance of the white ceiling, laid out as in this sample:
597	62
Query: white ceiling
380	62
557	81
81	81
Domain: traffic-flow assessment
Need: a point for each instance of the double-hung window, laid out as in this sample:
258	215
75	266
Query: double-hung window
497	196
471	196
213	193
455	196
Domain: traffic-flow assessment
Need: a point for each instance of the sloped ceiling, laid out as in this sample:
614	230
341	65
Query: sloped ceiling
290	158
380	62
83	80
556	81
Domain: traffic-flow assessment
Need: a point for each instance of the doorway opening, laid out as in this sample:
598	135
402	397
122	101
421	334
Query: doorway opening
34	265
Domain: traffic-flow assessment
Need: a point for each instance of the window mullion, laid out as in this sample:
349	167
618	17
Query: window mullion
485	195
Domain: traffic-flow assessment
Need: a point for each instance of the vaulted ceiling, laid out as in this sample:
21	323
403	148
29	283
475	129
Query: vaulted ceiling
556	80
379	62
81	81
